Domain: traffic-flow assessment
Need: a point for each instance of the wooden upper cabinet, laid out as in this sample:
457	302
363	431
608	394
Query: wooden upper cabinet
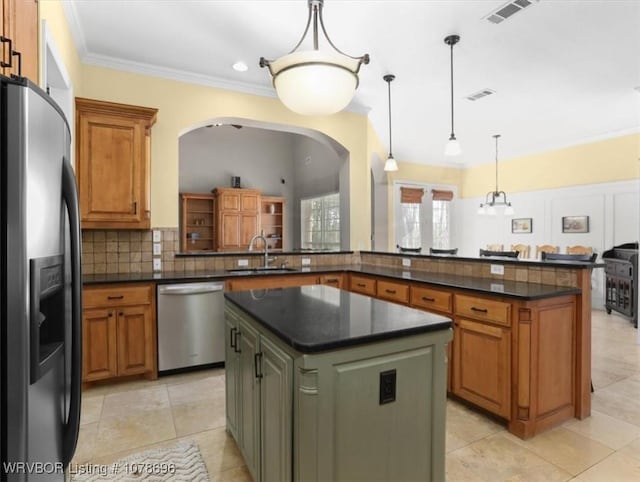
20	24
113	164
237	218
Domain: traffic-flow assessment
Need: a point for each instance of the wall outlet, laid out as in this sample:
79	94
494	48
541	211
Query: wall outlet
157	264
306	261
497	269
406	262
157	235
157	249
243	262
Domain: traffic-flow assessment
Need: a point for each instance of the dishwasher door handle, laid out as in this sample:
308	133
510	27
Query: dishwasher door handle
190	289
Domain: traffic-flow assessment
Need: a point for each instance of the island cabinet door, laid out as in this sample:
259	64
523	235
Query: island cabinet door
232	376
275	373
481	365
247	341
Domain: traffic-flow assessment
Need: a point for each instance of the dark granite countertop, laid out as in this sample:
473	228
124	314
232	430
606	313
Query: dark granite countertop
296	252
320	318
495	259
512	289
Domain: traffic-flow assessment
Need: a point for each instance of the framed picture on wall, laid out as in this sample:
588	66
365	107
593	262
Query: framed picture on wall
522	225
575	224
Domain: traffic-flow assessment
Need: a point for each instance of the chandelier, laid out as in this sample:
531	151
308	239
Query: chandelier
497	197
315	82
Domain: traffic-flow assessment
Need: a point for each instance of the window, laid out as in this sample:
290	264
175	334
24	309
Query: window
441	225
423	217
320	222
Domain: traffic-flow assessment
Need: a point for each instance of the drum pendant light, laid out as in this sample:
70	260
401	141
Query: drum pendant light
497	197
453	146
319	81
391	164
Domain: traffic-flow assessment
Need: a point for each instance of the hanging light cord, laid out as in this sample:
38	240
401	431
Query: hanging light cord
452	134
388	79
496	136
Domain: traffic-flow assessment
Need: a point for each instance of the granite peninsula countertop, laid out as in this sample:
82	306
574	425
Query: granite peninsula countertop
512	289
319	318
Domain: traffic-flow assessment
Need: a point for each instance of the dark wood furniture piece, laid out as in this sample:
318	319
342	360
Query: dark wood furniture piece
621	280
590	258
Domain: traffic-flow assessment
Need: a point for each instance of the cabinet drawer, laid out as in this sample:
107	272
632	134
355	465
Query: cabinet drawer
116	296
483	309
360	284
393	291
431	299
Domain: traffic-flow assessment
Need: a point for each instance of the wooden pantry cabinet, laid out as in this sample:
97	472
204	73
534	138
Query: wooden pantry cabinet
118	332
237	218
272	221
19	29
113	154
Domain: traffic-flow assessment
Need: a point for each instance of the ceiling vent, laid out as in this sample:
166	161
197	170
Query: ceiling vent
480	94
637	89
508	9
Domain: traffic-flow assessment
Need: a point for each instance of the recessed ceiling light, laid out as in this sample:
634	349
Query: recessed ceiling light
240	66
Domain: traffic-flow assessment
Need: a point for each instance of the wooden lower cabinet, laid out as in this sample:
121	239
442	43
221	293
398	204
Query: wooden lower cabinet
334	279
265	282
482	365
363	285
119	333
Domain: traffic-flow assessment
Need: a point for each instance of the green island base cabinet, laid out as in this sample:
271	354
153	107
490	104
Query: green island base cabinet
363	412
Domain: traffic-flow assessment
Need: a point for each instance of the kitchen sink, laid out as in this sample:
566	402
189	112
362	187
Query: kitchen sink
269	270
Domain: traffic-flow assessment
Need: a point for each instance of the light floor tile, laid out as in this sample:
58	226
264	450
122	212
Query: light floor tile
615	404
618	467
91	409
605	429
498	458
566	449
134	402
219	451
199	416
122	433
632	449
195	391
85	448
465	425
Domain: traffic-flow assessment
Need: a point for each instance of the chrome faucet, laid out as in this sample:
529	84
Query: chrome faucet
266	248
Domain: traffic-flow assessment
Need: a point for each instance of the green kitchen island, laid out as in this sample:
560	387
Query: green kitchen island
328	385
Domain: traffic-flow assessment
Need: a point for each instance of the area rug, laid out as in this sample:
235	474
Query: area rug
179	463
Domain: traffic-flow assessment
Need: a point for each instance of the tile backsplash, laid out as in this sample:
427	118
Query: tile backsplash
127	251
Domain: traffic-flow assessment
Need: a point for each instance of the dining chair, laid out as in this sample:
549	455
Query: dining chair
579	249
569	257
546	248
453	251
523	249
499	254
495	247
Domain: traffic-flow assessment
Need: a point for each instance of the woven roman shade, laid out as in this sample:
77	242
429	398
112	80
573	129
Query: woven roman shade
442	195
411	195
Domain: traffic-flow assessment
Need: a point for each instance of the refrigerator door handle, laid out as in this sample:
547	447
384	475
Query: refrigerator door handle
70	197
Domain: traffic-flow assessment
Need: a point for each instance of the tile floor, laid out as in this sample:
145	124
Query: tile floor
125	418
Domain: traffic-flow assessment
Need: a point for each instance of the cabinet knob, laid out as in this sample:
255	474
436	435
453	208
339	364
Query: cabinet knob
110	314
121	314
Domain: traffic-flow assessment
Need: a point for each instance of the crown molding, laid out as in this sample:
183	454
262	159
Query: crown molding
77	32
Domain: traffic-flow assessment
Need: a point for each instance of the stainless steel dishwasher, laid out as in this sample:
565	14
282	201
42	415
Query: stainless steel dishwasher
190	325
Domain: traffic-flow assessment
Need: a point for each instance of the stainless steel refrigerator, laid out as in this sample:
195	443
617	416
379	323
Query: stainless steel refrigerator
40	287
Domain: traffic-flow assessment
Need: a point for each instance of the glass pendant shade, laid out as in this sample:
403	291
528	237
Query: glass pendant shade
391	164
481	210
491	211
452	148
315	81
509	210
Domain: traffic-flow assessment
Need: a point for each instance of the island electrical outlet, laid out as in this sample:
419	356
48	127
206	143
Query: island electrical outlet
387	386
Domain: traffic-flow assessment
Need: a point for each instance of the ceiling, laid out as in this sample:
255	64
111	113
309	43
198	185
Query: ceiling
563	72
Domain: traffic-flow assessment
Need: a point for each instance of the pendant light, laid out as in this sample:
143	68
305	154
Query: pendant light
391	164
453	146
315	82
498	198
